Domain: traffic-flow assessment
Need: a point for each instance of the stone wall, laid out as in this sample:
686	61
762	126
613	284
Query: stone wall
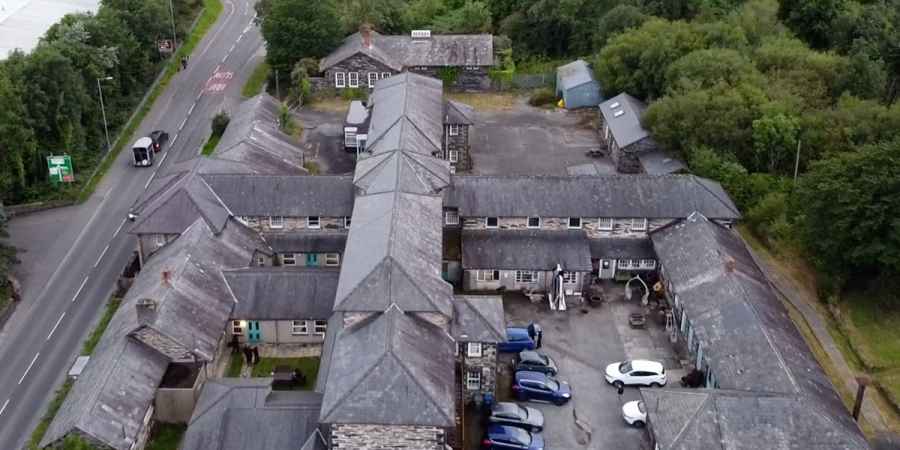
459	143
621	226
487	364
383	437
473	79
302	259
508	281
360	64
295	223
439	320
626	160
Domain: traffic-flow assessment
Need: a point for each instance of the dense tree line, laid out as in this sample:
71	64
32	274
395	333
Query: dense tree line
49	101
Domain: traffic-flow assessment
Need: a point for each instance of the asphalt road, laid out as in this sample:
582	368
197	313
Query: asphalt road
72	257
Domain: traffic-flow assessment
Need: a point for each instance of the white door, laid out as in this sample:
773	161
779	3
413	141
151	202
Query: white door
607	269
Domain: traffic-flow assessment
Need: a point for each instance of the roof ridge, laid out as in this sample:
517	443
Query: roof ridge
359	381
693	416
697	179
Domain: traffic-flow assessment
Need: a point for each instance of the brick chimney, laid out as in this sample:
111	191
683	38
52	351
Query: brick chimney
365	32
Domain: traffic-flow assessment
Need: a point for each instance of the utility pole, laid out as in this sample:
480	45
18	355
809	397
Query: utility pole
174	36
103	111
797	162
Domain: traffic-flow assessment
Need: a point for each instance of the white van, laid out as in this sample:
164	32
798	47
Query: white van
142	150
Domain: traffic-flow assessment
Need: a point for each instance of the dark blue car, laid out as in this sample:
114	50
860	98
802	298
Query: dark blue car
541	387
506	438
521	338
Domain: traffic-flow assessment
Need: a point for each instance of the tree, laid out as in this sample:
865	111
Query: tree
295	29
812	20
300	85
471	17
384	15
846	208
620	18
706	68
758	19
775	137
7	257
420	14
17	146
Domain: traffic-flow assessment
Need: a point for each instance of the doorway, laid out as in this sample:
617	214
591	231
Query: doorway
607	269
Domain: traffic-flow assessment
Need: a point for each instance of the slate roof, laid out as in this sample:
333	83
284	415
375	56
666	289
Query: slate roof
574	74
253	137
306	241
407	113
391	369
458	113
400	52
401	170
478	318
192	305
647	196
278	293
619	248
525	250
242	413
747	336
625	128
659	162
289	196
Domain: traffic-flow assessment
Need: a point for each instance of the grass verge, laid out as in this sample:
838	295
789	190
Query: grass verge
235	364
60	395
165	436
308	366
257	80
211	10
211	144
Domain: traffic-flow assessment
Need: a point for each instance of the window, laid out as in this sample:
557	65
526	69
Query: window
260	260
372	77
534	222
332	259
487	275
453	129
451	218
638	224
385	75
346	221
491	222
276	222
313	222
473	349
288	259
237	327
353	79
605	224
340	79
648	263
299	328
574	222
526	276
570	277
624	263
471	68
250	221
453	156
160	240
320	326
473	379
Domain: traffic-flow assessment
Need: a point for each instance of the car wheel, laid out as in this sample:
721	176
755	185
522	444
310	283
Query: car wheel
655	384
638	423
618	384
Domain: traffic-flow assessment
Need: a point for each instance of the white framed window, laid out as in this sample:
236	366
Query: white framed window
288	259
237	327
473	350
260	260
340	79
346	221
453	129
299	328
638	224
534	222
453	156
624	264
473	379
313	222
648	263
353	79
332	259
372	77
605	224
574	223
451	218
160	240
320	326
276	222
570	277
471	68
385	75
491	222
526	276
487	275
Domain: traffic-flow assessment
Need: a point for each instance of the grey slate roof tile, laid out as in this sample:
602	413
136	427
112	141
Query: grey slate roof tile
407	114
626	128
478	318
306	242
399	52
619	248
526	250
272	293
274	195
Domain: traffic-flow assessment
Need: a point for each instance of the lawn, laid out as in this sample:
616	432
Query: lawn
211	144
165	437
235	364
875	318
308	366
257	80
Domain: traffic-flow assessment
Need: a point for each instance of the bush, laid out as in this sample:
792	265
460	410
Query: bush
219	123
768	217
542	96
353	94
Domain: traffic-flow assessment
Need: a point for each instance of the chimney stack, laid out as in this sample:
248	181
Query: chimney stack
166	277
146	311
365	31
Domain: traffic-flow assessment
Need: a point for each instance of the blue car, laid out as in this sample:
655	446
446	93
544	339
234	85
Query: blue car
507	438
521	338
538	386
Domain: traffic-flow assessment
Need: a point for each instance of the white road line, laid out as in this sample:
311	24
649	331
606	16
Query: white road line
55	326
240	37
165	155
5	404
120	227
173	140
191	110
232	48
29	368
222	27
182	124
83	282
101	256
150	180
217	68
224	58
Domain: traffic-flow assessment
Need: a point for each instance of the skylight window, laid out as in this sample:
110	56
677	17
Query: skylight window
614	105
618	113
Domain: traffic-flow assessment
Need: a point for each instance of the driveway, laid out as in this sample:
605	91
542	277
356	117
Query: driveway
322	133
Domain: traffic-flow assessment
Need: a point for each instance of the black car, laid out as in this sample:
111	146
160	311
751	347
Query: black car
535	361
159	138
512	414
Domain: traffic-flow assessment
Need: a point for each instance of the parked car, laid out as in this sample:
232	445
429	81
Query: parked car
506	438
635	413
159	138
521	338
515	415
541	387
536	362
636	372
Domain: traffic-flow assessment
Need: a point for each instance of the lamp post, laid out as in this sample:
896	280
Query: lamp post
103	111
174	36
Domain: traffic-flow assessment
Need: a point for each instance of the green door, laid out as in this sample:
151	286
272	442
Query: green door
254	335
312	259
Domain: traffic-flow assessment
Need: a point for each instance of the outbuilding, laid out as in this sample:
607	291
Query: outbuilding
576	85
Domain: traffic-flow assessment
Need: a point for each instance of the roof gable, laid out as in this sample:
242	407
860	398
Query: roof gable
402	51
403	171
478	319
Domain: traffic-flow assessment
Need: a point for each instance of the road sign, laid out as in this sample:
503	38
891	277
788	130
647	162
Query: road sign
60	168
165	45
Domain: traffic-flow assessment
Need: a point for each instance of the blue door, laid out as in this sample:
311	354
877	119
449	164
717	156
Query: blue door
312	259
254	335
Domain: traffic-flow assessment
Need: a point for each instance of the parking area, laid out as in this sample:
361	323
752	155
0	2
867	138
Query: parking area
524	140
583	340
322	141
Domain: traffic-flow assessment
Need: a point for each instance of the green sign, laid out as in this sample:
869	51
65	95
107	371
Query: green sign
60	168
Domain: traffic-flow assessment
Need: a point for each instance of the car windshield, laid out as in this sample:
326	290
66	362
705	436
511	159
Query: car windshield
641	408
625	367
553	385
519	435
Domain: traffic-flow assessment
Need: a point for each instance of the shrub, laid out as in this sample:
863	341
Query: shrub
220	122
353	94
542	96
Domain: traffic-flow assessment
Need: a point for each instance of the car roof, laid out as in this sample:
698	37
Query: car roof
505	407
517	332
531	355
506	430
529	375
643	364
143	142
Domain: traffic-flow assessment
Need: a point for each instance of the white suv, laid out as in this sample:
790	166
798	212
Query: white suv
636	372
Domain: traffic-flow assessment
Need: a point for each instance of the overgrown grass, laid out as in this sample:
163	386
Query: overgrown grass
487	101
165	436
211	10
308	366
875	320
257	80
211	144
312	167
91	343
235	364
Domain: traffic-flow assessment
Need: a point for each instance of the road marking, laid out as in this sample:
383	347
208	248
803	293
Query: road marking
79	289
191	110
232	47
165	155
216	34
240	37
101	256
182	124
5	404
174	139
57	324
29	368
150	180
120	227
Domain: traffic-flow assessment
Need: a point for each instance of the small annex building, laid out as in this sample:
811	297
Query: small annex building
576	85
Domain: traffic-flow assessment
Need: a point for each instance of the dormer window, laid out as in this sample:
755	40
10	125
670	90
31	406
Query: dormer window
313	222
